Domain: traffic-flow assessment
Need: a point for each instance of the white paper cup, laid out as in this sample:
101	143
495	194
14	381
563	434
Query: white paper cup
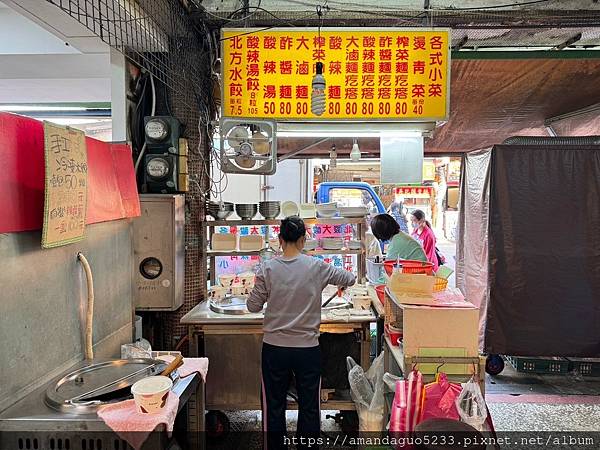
151	393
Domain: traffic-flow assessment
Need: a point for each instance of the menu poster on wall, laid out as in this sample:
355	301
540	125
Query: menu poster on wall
390	74
65	201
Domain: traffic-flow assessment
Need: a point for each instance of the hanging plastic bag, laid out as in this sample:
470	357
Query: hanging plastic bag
471	404
439	399
406	406
366	389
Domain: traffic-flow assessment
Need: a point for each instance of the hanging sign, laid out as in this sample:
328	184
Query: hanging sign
65	200
385	74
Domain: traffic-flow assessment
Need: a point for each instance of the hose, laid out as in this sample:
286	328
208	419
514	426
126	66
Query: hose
89	322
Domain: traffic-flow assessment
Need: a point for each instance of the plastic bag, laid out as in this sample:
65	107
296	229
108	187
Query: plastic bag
406	406
439	399
366	389
139	349
471	405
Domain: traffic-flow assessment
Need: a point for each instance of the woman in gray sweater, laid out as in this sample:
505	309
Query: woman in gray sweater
292	287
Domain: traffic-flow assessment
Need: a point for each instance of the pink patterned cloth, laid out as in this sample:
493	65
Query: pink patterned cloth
135	427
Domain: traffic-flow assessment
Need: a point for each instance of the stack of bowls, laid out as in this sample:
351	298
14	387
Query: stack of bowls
269	210
311	244
219	210
246	211
327	209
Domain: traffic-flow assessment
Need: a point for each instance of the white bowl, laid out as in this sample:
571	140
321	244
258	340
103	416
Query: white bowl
354	244
151	393
308	211
289	208
310	244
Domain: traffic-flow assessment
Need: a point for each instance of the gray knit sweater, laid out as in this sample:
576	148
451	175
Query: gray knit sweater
292	289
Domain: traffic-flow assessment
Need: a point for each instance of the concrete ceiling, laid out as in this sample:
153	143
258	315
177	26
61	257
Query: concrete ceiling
47	57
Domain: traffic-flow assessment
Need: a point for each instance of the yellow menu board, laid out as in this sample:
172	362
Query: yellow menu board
385	74
65	200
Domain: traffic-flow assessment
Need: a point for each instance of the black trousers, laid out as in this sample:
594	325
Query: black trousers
278	364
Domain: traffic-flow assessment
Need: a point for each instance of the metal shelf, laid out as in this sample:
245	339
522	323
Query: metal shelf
320	221
212	253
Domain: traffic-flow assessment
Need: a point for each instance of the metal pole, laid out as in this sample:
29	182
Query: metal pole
295	152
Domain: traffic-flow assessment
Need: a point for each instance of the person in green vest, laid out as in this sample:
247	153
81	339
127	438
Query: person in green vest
401	245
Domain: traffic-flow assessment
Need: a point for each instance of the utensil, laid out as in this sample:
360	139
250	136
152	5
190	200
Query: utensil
337	293
177	362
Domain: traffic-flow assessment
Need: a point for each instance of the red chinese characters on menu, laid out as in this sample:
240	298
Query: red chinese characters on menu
393	74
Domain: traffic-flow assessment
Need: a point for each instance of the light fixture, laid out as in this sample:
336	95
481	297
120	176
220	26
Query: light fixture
332	157
40	108
317	97
355	152
332	131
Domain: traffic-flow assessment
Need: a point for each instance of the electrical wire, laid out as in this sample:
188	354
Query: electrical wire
508	5
235	12
267	28
143	150
389	8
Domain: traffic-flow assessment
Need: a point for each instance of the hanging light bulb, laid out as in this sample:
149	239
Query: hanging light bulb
317	97
332	157
355	152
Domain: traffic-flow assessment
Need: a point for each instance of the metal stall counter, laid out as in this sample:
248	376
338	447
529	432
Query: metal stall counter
233	344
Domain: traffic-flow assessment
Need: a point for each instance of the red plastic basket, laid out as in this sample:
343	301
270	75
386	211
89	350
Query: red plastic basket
381	293
409	266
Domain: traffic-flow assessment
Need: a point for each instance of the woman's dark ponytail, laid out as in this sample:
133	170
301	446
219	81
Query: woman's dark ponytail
292	228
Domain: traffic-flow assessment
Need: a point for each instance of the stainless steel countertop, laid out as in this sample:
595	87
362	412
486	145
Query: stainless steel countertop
32	414
201	314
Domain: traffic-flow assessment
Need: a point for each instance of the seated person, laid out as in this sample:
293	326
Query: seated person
402	246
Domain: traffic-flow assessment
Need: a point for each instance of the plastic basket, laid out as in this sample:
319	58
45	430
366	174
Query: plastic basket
440	284
409	266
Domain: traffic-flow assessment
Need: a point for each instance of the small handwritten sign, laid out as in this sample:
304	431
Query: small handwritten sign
65	201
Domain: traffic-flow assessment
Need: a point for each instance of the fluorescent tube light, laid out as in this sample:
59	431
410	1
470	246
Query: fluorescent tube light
36	108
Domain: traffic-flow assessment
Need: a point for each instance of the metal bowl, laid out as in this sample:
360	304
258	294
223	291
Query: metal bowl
246	210
219	211
269	210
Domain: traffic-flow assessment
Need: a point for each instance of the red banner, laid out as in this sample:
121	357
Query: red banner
112	190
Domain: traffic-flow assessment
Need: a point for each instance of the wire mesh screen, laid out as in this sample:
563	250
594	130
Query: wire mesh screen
160	37
155	34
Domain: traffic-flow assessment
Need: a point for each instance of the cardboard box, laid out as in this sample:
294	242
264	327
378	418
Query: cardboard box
223	242
447	331
251	243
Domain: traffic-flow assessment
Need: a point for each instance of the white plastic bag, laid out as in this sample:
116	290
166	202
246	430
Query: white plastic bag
366	389
471	405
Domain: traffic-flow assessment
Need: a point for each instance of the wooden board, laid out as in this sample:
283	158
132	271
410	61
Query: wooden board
65	194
